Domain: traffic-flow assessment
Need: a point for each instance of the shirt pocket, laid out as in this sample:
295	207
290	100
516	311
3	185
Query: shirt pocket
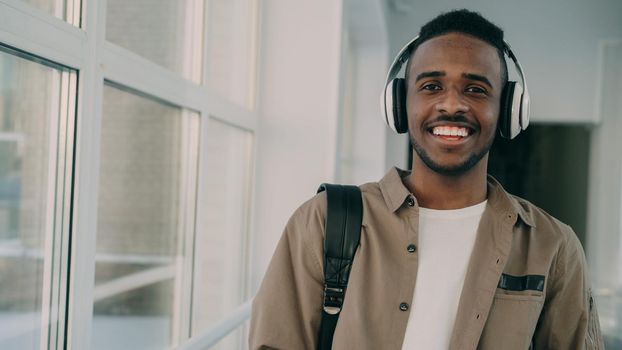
512	320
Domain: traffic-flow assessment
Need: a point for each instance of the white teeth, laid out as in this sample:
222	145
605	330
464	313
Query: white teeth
450	131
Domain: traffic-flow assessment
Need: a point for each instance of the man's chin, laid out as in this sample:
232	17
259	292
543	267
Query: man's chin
450	170
456	168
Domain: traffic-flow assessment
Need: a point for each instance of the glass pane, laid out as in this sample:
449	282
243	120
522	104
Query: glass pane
30	94
67	10
166	32
231	40
138	319
223	228
139	261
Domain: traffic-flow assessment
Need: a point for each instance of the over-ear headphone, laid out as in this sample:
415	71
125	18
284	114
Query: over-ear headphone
514	112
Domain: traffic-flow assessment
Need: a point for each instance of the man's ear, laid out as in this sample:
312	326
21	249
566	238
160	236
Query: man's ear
505	110
400	114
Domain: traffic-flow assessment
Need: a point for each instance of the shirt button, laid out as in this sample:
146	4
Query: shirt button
404	306
411	248
410	201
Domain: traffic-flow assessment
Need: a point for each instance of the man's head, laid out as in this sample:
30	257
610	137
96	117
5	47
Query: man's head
455	77
466	22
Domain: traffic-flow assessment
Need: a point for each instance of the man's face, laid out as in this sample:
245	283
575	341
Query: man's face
454	90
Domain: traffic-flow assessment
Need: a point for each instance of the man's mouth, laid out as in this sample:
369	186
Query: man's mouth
451	133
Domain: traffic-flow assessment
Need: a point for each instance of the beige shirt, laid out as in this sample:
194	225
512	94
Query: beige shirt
514	237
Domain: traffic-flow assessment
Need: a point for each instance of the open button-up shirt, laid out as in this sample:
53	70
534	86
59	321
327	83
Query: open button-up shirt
515	240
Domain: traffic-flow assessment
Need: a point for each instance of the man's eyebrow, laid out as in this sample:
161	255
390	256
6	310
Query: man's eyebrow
477	77
431	74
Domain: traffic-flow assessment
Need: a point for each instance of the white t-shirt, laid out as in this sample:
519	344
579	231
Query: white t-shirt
446	240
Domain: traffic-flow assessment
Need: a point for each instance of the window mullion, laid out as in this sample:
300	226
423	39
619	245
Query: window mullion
192	125
86	175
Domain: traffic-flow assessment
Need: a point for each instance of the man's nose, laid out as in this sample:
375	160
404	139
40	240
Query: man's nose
452	102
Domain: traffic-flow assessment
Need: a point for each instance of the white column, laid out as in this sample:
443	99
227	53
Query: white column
604	235
298	114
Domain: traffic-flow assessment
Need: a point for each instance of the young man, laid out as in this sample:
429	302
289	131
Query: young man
447	258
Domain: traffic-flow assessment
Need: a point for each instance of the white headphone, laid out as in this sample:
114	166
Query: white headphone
514	112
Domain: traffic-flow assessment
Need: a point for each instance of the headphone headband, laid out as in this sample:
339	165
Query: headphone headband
524	120
400	59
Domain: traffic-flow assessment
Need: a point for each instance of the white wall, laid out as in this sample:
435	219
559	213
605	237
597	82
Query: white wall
323	66
368	137
298	106
556	41
604	248
363	136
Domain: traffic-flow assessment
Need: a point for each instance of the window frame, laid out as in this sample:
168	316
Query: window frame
56	226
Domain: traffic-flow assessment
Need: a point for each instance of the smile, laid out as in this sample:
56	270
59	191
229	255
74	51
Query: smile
451	133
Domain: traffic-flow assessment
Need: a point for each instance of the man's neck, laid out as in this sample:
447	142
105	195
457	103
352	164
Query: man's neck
436	191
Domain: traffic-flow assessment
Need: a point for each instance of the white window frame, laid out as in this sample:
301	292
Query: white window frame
85	49
56	219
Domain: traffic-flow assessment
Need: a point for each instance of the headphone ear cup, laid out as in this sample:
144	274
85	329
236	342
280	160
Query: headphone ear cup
505	110
400	117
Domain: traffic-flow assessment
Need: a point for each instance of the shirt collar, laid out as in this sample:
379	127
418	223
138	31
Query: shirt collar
395	193
393	189
506	203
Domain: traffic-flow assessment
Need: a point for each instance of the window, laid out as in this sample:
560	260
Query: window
148	148
37	104
67	10
222	230
102	237
166	32
231	49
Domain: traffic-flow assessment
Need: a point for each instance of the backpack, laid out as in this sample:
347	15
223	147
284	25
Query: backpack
344	215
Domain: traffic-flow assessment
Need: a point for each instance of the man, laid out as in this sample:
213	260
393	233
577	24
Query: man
447	258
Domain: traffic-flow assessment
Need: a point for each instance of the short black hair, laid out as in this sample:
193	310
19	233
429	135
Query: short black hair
467	22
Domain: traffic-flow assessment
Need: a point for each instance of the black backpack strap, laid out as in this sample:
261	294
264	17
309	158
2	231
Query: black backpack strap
344	215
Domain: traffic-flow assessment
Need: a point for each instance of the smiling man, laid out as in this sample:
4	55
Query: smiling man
447	259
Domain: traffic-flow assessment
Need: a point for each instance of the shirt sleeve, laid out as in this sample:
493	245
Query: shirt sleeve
569	319
287	309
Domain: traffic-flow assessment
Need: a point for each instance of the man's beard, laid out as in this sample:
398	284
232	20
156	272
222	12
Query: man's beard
454	170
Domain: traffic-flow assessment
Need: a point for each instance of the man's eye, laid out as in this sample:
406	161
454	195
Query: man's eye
431	87
476	90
